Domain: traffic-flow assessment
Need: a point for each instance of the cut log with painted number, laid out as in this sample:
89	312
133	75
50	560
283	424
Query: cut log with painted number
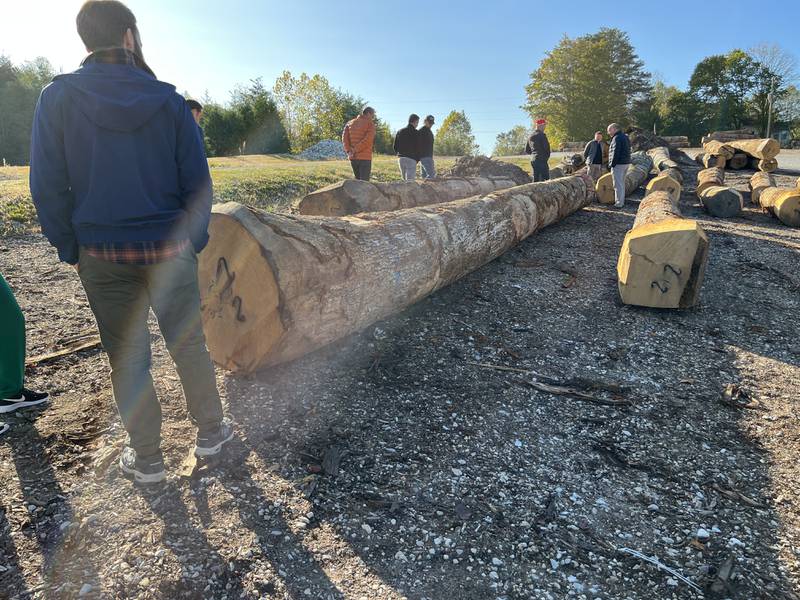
353	196
758	183
663	258
783	203
637	174
764	148
738	162
718	148
275	287
710	160
716	198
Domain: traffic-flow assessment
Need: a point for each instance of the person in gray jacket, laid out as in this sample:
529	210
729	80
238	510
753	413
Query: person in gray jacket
619	159
593	155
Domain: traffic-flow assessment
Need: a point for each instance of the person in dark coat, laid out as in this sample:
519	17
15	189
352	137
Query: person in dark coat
406	143
426	148
539	148
619	159
593	155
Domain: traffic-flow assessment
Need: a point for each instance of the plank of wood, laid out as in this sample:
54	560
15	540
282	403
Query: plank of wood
81	344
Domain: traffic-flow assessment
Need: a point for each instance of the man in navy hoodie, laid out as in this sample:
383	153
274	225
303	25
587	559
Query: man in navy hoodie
121	184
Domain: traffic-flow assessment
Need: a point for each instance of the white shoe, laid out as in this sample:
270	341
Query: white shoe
618	205
3	427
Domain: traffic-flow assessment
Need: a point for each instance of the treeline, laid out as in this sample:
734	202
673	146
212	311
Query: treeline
584	83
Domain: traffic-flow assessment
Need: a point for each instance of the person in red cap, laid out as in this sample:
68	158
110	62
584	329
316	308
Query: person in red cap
538	147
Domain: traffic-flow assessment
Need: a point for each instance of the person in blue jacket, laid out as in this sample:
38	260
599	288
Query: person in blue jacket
121	184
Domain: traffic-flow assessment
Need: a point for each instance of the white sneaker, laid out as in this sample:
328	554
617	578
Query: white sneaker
26	398
619	205
3	427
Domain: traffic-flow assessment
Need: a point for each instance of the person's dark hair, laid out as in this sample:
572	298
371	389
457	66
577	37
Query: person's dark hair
194	105
413	118
103	23
429	119
368	110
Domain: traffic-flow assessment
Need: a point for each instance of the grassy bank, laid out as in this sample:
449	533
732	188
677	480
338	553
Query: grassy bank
269	182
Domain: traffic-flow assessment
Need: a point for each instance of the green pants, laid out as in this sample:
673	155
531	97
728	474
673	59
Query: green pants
121	296
12	343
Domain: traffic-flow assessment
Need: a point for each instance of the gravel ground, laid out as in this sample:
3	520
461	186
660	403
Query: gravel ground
392	465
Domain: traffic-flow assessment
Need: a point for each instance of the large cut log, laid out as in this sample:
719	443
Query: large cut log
667	181
782	203
663	258
353	196
716	198
275	287
661	159
760	164
710	160
738	162
717	148
636	175
765	148
758	183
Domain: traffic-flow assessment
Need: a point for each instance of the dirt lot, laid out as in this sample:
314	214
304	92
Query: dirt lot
390	465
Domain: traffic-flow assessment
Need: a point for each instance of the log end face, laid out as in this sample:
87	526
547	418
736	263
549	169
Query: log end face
657	264
787	207
721	201
239	298
604	188
664	183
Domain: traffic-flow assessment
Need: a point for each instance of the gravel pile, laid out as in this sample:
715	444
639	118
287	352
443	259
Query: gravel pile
482	166
324	150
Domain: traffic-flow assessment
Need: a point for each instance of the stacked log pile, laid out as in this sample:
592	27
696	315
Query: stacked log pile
716	198
275	287
760	164
730	135
669	178
637	174
781	203
707	160
738	162
663	257
676	141
353	196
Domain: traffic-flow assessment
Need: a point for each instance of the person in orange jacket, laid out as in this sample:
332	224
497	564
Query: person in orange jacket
357	138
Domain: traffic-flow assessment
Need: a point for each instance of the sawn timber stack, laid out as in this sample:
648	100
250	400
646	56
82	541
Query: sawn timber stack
663	257
353	196
275	287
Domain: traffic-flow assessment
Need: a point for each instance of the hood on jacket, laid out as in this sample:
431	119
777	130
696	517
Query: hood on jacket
116	97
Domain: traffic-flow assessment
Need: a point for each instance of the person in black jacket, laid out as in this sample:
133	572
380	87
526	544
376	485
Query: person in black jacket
425	145
593	154
405	145
619	159
539	148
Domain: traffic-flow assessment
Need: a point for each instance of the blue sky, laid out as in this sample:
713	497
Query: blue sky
412	56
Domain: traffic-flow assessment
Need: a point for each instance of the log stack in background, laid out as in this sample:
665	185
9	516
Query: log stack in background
781	203
669	178
718	148
275	287
353	196
716	198
706	160
761	164
676	141
730	135
663	257
637	174
738	162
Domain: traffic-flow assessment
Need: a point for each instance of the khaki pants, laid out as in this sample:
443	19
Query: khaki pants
618	175
121	296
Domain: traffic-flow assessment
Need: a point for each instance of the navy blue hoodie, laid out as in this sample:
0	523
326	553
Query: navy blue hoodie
116	156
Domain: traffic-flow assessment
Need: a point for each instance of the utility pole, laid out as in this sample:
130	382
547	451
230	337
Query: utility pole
770	98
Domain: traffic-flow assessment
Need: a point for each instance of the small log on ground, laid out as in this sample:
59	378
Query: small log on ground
764	148
718	148
716	198
275	287
758	183
760	164
710	160
663	258
738	162
782	203
661	159
353	196
636	175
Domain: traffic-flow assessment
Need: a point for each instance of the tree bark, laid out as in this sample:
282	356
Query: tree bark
637	174
764	148
275	287
710	160
758	183
708	177
663	257
782	203
353	196
718	148
661	159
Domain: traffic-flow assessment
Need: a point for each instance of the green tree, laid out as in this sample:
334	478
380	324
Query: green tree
512	142
454	137
384	141
586	82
